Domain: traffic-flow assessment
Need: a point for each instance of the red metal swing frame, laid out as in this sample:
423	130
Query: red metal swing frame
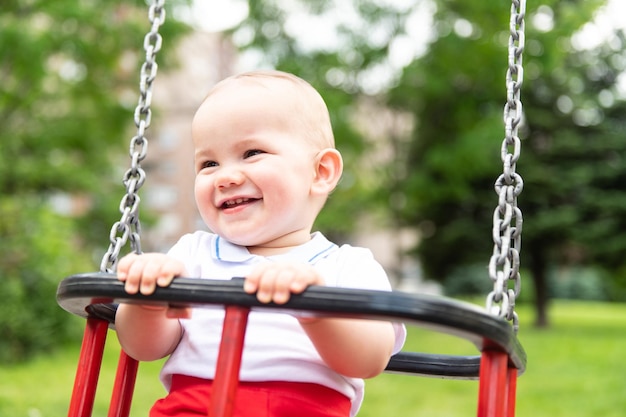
500	362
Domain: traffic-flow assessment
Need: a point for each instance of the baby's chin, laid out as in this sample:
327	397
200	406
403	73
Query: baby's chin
265	248
239	237
250	243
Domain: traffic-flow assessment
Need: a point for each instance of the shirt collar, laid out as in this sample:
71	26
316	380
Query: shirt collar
310	252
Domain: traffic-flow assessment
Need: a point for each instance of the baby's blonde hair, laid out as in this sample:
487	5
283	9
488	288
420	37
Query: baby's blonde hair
309	107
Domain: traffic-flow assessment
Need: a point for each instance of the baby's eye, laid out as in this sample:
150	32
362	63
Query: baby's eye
252	152
208	164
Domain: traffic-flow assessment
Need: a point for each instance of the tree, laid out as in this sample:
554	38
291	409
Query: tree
66	69
578	197
571	192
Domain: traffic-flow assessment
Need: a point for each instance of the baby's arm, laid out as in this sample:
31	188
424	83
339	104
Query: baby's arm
352	347
148	332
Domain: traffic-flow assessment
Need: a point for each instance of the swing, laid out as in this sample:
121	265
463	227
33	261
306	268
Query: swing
500	358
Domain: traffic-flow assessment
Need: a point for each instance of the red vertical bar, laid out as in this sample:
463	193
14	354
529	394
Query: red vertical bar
492	384
88	370
512	388
124	386
224	387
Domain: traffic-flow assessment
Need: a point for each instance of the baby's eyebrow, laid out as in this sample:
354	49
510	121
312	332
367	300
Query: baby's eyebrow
203	153
249	143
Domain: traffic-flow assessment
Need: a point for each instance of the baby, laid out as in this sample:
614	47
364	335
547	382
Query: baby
265	164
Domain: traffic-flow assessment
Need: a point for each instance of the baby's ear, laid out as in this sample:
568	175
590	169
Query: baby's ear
328	170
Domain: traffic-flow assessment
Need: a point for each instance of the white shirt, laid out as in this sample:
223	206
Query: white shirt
275	348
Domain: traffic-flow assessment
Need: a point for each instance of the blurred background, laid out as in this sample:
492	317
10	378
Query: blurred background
416	91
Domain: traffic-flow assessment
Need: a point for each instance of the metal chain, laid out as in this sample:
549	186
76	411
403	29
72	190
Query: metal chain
507	217
128	227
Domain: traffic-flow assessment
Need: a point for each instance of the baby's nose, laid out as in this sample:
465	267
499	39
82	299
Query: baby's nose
228	177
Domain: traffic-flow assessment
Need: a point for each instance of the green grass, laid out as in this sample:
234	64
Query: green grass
576	368
43	387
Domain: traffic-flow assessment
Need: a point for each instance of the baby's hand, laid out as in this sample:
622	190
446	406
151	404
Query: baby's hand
277	281
142	273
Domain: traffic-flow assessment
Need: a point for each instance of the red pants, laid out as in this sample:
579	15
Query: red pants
190	397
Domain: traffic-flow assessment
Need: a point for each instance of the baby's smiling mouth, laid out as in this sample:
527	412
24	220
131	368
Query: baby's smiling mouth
237	202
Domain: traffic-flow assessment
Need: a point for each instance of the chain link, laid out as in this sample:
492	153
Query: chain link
128	228
507	217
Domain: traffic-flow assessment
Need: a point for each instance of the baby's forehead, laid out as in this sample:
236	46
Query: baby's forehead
279	92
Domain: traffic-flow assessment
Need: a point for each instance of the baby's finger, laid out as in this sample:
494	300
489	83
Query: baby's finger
150	273
282	286
168	271
136	278
251	283
124	264
265	290
132	276
298	286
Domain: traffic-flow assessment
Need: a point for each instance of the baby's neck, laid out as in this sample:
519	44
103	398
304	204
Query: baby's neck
268	251
273	248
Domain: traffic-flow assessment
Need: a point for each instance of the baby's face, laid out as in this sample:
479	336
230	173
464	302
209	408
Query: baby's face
254	166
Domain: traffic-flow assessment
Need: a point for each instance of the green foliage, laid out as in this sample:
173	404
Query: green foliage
580	284
67	71
457	93
36	246
60	64
616	286
564	283
573	199
469	280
